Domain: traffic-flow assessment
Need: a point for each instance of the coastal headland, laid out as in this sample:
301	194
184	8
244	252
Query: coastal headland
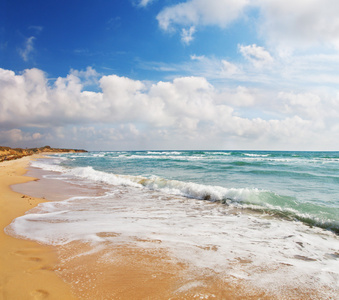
7	153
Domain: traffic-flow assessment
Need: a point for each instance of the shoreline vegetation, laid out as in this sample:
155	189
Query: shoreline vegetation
7	153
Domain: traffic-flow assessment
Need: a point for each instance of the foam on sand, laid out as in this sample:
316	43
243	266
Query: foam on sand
271	255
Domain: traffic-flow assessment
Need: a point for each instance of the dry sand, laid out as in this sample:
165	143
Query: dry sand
33	271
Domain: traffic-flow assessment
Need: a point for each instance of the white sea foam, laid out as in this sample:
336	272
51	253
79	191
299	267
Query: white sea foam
256	155
161	157
164	152
52	164
221	153
251	198
278	254
174	187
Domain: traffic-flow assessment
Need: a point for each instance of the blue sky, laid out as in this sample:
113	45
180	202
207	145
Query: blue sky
118	36
184	74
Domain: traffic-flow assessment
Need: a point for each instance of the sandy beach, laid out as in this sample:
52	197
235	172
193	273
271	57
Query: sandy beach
33	271
27	268
76	270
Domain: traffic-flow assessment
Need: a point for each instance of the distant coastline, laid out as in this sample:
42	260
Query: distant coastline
7	153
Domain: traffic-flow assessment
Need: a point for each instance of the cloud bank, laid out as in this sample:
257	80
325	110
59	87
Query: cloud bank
182	113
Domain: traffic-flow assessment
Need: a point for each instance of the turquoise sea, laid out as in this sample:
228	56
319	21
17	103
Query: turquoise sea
277	210
294	185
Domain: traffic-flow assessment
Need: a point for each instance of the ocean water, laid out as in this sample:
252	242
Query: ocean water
267	218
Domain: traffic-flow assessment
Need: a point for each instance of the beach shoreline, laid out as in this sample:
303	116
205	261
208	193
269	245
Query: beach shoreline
140	268
27	268
30	270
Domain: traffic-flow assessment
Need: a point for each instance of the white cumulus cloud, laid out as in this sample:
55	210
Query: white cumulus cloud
187	112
